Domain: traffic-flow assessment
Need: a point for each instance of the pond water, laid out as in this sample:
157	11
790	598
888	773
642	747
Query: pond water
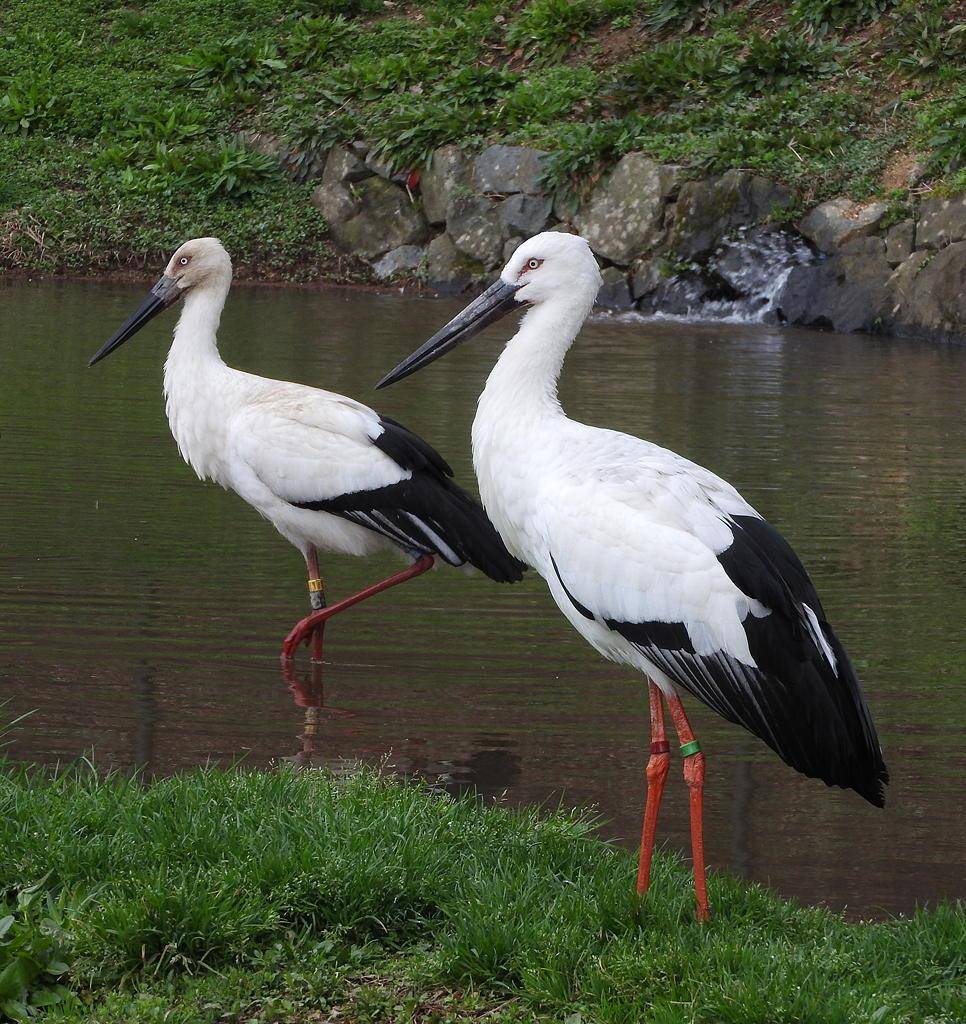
141	611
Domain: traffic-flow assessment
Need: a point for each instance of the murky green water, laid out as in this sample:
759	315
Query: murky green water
141	611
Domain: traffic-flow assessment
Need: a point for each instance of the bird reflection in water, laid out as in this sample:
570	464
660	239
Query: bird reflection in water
308	693
488	769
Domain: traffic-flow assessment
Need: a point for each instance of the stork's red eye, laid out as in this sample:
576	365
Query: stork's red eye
184	260
531	264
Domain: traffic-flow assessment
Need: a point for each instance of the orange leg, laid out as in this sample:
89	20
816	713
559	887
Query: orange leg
694	777
657	769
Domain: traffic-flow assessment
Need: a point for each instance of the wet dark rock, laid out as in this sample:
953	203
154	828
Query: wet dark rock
474	224
927	294
449	169
844	293
942	221
900	240
403	260
615	292
447	269
524	215
646	276
510	246
707	211
507	169
831	225
370	217
624	216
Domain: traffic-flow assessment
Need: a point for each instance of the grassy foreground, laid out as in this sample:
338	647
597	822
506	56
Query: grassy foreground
284	896
118	120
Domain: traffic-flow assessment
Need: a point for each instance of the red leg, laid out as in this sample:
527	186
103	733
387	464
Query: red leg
657	769
304	629
316	599
694	777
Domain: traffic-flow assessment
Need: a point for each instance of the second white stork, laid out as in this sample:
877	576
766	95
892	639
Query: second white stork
656	561
328	472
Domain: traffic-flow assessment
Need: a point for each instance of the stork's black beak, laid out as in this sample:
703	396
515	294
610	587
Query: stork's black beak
495	302
159	298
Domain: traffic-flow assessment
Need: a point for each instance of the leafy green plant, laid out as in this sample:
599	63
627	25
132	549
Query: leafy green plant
29	101
822	14
134	24
678	67
942	127
926	42
545	29
313	39
683	14
346	8
33	946
779	59
237	68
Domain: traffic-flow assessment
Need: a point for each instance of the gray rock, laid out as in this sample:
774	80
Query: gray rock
404	259
927	294
615	292
337	202
448	269
524	215
566	206
900	242
831	225
344	166
647	276
507	169
371	217
871	245
473	222
844	293
941	222
510	246
381	167
707	211
448	169
624	217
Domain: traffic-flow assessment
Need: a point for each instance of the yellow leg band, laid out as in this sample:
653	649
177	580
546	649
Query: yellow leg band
316	586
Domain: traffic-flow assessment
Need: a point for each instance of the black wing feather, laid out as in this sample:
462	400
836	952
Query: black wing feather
427	514
813	715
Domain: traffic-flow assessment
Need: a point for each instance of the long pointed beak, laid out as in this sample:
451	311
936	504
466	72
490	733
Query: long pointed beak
484	310
164	292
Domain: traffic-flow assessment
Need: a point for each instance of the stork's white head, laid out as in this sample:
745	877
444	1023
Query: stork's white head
201	265
550	264
552	267
199	262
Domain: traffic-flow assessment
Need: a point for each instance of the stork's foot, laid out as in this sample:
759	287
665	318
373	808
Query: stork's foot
305	631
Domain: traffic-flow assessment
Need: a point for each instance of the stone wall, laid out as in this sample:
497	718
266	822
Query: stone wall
665	243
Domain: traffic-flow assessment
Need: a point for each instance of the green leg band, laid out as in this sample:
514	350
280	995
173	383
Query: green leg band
687	749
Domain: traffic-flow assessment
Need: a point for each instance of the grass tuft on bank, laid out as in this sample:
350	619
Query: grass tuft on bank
232	895
119	121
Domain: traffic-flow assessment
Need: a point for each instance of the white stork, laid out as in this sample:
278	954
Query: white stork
656	562
328	472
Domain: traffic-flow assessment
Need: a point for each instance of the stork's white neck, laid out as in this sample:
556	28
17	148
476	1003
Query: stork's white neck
194	379
196	335
524	381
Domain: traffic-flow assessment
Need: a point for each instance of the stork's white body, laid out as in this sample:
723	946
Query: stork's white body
634	529
328	472
657	562
272	442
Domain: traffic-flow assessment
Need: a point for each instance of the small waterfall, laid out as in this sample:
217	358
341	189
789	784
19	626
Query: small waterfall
740	281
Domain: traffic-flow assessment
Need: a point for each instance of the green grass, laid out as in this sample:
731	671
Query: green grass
232	895
118	121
